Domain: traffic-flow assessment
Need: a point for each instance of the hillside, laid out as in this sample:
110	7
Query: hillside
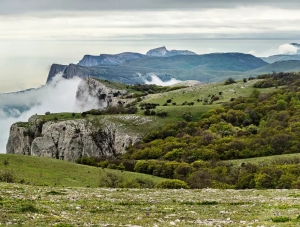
197	130
57	173
261	124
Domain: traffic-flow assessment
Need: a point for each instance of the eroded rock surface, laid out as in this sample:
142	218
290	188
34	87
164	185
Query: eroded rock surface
73	139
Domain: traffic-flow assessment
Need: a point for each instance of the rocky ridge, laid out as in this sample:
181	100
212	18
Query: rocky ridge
109	59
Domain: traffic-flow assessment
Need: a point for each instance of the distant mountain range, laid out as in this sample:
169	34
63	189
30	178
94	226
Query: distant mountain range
133	68
282	57
117	59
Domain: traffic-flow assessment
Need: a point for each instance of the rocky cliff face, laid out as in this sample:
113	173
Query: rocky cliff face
92	94
55	68
73	139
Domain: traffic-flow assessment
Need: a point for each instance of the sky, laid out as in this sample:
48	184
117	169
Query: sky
36	33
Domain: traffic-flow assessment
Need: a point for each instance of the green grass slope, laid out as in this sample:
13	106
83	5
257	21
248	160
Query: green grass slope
51	172
201	92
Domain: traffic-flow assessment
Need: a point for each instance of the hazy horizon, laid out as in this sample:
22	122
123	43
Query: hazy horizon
36	33
26	64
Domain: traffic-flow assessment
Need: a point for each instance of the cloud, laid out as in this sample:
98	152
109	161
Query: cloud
240	22
157	81
252	52
29	6
58	96
288	49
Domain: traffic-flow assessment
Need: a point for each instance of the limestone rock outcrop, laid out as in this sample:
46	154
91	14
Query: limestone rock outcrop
92	94
73	139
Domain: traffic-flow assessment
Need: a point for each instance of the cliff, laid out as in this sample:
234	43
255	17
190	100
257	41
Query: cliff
72	139
92	94
55	68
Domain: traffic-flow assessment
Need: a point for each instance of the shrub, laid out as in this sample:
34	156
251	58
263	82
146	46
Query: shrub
121	166
281	219
112	166
64	225
141	166
229	81
103	164
94	112
28	208
172	184
162	114
187	116
200	179
129	184
145	183
111	180
90	161
173	155
7	176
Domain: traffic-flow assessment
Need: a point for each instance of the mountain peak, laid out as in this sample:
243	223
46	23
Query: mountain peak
163	52
158	52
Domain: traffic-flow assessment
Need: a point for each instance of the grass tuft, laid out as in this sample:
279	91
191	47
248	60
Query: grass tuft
28	208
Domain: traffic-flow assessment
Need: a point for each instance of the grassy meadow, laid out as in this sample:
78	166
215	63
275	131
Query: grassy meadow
201	92
24	205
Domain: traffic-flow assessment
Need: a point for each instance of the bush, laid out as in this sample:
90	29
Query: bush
28	208
94	112
141	166
111	180
281	219
90	161
145	183
173	184
187	116
200	179
229	81
112	166
173	155
121	166
7	176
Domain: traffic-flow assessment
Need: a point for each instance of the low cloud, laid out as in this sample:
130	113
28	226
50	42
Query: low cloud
157	81
252	52
288	49
58	96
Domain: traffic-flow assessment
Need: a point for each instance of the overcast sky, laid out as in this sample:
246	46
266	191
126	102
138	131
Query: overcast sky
36	33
